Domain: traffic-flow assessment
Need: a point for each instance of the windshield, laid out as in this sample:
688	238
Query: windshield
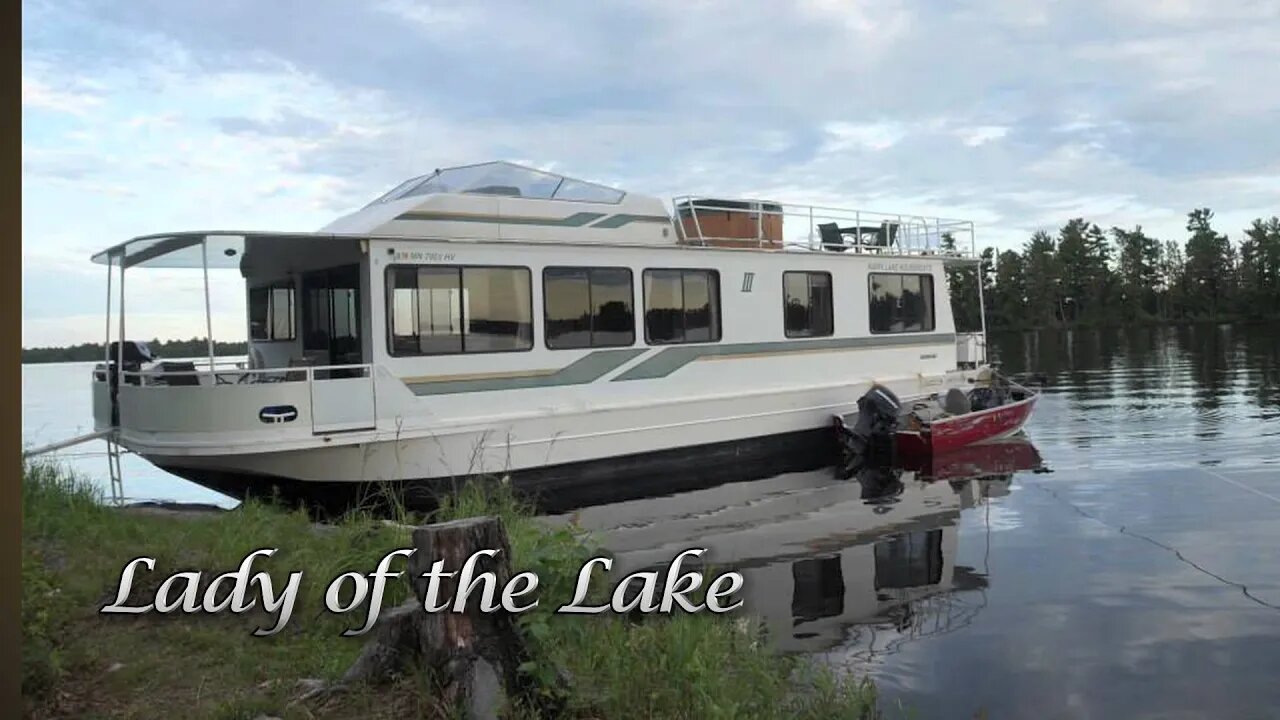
506	179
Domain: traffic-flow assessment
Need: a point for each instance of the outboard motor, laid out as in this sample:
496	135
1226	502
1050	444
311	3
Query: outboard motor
871	439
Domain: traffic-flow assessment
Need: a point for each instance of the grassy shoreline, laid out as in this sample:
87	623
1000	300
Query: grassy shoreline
78	663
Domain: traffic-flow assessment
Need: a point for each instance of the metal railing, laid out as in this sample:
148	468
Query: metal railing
745	222
322	395
239	374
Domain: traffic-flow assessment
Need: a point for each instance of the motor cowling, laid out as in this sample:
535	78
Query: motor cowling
880	403
870	441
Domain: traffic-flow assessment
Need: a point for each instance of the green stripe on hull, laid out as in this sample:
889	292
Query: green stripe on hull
585	369
673	358
617	221
597	364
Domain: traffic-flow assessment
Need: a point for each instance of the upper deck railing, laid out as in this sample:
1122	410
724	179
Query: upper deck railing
783	226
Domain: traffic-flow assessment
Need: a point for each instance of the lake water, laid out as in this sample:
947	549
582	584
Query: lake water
1139	578
57	405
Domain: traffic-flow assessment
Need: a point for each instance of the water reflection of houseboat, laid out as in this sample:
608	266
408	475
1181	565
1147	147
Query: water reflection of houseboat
906	578
821	557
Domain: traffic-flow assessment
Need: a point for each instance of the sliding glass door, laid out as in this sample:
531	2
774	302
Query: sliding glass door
331	315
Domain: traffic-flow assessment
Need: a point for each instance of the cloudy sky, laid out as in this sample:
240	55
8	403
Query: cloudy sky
150	115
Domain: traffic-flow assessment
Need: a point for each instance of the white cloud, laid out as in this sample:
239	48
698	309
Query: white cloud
432	17
1195	13
880	22
40	95
154	121
981	134
867	136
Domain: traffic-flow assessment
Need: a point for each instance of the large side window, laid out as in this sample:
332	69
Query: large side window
441	310
588	307
681	306
806	304
901	303
271	312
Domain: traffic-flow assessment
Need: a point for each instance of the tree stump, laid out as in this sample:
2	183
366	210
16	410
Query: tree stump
474	655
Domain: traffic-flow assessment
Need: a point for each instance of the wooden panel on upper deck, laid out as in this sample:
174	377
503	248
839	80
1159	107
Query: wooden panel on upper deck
730	223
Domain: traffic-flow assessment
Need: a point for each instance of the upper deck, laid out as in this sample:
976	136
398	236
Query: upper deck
769	225
504	202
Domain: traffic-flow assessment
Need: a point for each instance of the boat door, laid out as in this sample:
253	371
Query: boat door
341	398
331	316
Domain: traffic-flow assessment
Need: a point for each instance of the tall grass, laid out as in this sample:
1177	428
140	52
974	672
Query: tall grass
77	662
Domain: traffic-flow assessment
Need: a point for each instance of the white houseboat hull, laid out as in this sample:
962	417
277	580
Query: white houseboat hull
357	381
614	450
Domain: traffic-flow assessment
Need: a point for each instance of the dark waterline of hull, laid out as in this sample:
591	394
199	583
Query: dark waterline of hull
556	488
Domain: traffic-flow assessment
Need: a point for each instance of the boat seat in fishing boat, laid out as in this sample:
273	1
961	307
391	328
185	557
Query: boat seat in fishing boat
921	414
927	412
956	402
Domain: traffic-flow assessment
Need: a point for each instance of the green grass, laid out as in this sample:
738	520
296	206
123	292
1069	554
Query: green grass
79	663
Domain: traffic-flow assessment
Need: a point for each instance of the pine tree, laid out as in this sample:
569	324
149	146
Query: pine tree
1043	283
1008	299
1139	271
1208	267
1084	258
1259	271
1173	278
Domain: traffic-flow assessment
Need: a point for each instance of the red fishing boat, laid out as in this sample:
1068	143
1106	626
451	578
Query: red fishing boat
929	428
885	428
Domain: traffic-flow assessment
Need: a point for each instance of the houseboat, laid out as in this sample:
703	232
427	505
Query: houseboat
497	319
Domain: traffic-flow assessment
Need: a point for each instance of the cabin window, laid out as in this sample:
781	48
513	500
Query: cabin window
681	306
442	310
806	304
588	307
271	312
901	303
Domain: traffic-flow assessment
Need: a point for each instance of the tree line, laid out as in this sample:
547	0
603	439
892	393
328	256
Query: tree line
1082	276
1089	276
86	352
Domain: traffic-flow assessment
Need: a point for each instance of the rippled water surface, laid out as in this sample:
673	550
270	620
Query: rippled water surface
1138	577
